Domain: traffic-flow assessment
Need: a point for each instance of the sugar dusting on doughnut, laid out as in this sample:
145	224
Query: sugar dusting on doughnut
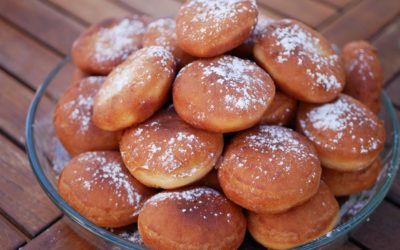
82	106
363	63
234	77
117	41
110	171
162	26
194	197
342	116
296	41
216	10
262	23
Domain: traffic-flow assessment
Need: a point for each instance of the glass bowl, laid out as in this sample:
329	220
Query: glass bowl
47	157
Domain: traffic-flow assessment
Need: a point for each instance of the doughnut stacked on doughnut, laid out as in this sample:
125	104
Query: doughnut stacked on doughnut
364	77
228	128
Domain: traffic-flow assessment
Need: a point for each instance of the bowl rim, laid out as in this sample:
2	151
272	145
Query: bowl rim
52	193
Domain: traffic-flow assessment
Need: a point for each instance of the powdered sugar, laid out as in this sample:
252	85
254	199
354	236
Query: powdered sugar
363	64
296	42
166	28
341	116
120	40
238	81
109	170
262	23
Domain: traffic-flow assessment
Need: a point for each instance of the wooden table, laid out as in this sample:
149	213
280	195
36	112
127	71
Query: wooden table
36	34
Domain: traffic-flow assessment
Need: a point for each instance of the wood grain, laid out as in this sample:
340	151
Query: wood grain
91	11
361	21
312	13
14	102
339	3
10	237
349	246
388	44
151	7
42	22
393	90
58	236
382	230
21	198
30	61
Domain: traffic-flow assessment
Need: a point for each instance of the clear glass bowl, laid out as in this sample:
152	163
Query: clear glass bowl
46	156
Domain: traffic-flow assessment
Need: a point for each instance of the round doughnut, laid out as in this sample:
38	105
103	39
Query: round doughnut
281	111
245	50
297	226
72	119
347	183
301	61
191	218
135	89
100	188
346	134
106	44
364	76
208	28
161	32
269	169
168	153
223	94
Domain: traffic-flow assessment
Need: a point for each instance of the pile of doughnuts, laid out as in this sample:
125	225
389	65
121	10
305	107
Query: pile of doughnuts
215	123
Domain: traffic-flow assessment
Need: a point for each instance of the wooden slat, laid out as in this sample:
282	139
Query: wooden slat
339	3
91	11
14	103
388	45
42	22
361	21
264	12
310	12
21	198
383	229
168	8
10	237
25	58
349	246
58	236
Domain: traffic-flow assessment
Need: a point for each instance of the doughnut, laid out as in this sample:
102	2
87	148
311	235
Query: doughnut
78	75
364	76
72	119
301	61
346	134
208	28
166	152
297	226
161	32
135	89
100	188
245	50
281	111
108	43
223	94
347	183
269	169
191	218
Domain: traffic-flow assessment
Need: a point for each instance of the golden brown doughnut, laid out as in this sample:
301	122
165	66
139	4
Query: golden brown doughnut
135	89
269	169
72	119
347	183
100	188
106	44
210	180
191	218
346	134
168	153
364	76
223	94
281	111
297	226
245	50
207	28
301	61
161	32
